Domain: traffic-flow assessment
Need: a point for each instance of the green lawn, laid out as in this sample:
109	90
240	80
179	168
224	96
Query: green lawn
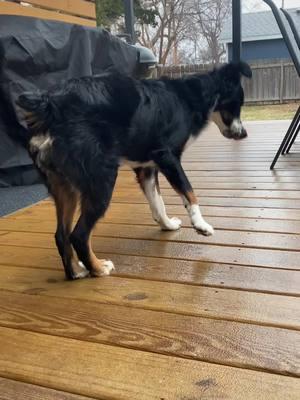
269	112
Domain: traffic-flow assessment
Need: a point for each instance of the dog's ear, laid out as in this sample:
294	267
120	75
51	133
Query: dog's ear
234	71
244	69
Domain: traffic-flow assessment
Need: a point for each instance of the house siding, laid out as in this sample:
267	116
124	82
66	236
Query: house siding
262	50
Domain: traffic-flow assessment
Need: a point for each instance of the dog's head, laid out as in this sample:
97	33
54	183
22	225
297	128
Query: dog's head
227	113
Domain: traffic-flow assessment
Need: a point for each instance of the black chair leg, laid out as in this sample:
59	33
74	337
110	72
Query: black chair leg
294	124
294	138
287	138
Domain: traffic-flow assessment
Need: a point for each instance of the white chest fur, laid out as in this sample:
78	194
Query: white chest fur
40	142
40	146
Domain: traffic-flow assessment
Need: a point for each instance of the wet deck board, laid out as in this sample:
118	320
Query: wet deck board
183	316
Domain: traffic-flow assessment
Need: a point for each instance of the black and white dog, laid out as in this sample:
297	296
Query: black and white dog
82	131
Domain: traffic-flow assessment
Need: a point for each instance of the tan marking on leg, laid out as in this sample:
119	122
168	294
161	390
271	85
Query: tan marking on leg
100	267
157	183
192	199
140	177
66	201
192	206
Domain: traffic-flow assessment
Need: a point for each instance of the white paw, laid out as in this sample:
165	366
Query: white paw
83	273
204	228
108	266
104	268
81	265
173	224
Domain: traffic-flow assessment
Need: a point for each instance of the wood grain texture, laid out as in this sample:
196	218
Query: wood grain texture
13	390
224	188
169	250
39	224
224	342
81	8
188	235
121	209
115	373
232	194
260	173
232	305
182	271
183	317
218	194
138	198
7	8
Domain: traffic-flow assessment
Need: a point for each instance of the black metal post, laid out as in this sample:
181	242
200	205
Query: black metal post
287	137
293	130
236	30
294	138
129	20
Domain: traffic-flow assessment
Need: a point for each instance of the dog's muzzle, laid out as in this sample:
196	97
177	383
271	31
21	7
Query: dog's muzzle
236	131
229	134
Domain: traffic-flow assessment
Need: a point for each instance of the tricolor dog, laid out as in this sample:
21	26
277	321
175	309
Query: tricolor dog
82	131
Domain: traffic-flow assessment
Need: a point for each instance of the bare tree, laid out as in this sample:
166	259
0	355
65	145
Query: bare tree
170	28
210	16
185	29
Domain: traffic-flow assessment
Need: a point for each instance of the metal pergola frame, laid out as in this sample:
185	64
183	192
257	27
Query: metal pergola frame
129	21
236	30
291	39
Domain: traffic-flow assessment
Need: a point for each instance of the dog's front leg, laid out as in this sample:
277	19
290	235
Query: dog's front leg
148	180
171	167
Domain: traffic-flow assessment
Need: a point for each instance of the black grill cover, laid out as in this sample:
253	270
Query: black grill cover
35	54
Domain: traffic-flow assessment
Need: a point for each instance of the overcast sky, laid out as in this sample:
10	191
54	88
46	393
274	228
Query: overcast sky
259	5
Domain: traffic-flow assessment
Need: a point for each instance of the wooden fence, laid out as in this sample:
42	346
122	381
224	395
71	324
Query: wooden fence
80	12
276	82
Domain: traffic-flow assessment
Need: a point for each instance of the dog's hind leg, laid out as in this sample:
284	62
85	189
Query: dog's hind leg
93	206
66	199
148	181
171	167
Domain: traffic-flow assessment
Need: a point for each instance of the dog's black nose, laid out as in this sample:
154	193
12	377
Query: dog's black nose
229	134
243	134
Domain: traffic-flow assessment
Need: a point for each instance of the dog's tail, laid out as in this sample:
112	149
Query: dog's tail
13	127
32	102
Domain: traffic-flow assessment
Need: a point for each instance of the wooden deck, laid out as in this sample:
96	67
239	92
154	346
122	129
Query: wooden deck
184	317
